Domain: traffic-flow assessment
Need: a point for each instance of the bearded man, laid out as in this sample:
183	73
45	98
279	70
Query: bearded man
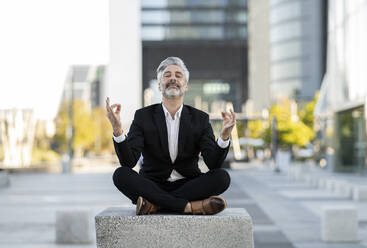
170	136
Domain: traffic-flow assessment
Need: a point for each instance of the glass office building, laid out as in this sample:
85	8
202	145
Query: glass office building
193	20
210	36
296	48
341	109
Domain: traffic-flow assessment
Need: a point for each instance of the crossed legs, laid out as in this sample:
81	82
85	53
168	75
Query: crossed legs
172	196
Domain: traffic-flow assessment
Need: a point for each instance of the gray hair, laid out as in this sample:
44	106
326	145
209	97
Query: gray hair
172	61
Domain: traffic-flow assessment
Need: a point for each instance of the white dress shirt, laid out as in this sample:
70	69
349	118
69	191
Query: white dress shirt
173	126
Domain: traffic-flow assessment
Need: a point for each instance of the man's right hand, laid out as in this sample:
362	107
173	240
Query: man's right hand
114	117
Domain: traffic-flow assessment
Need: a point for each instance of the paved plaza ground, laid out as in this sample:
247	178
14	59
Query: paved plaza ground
285	214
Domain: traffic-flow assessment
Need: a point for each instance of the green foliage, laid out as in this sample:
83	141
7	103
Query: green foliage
256	129
291	130
2	153
306	113
62	122
44	155
240	125
84	127
103	134
92	130
41	150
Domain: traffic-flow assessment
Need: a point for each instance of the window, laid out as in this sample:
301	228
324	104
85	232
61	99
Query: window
285	31
285	50
288	88
285	11
286	69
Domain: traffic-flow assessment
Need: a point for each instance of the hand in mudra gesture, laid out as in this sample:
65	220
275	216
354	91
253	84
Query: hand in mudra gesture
229	120
114	117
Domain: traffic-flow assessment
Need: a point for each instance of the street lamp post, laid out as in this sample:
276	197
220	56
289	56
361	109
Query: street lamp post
68	159
274	144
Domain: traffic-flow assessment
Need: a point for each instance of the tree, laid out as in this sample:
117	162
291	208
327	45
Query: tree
92	130
61	122
103	135
84	128
306	113
256	129
291	129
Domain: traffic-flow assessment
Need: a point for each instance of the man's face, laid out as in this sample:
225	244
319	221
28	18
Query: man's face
173	83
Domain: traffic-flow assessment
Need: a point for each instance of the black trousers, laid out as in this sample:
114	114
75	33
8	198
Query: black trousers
171	196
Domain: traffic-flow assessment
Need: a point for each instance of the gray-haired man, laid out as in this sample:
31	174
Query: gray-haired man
170	136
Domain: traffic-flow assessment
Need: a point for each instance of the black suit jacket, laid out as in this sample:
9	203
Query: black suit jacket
148	135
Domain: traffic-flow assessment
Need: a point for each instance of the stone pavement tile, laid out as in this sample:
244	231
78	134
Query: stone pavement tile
315	207
235	192
310	194
32	200
46	213
265	239
289	185
46	245
259	217
362	227
265	233
295	208
281	245
296	222
237	198
26	233
329	245
28	207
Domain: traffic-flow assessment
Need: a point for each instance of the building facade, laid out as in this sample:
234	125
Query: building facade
259	54
341	108
296	48
210	36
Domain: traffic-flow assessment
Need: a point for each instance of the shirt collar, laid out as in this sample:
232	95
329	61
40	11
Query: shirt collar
177	114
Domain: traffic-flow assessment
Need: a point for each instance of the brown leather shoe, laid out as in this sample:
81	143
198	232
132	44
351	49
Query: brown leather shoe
144	207
208	206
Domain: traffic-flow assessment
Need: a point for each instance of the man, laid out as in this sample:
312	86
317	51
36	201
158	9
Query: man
170	136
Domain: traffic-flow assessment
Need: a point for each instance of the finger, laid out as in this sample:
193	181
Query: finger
233	114
118	109
108	104
223	115
117	106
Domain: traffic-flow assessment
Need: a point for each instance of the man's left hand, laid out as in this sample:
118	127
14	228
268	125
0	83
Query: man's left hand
229	120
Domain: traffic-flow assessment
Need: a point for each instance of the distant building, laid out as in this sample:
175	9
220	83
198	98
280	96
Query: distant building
211	38
287	42
88	84
297	63
341	108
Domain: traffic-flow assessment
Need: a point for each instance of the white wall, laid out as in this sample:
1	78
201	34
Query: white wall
124	80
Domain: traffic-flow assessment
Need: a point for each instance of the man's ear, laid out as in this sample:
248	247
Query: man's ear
159	87
186	86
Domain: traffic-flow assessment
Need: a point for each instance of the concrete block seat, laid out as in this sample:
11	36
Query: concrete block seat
360	193
339	224
74	226
121	227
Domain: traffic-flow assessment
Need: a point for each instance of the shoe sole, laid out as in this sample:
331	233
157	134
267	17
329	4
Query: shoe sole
139	204
222	199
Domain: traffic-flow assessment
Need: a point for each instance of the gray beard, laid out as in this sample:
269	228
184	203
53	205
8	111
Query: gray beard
172	93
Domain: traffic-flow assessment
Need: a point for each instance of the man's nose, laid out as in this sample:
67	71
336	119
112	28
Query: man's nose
173	79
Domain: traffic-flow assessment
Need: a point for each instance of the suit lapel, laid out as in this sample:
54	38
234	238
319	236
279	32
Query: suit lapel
160	122
185	125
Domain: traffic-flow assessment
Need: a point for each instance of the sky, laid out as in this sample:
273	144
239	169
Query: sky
39	41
